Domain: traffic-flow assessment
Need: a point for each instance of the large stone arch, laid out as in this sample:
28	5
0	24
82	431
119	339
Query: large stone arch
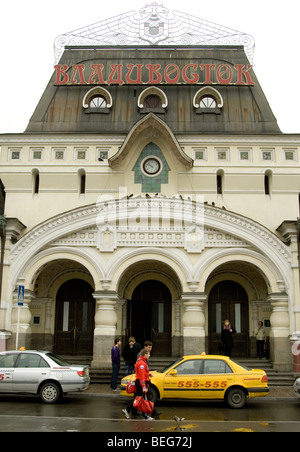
241	239
216	257
147	269
142	314
124	259
86	258
246	275
269	249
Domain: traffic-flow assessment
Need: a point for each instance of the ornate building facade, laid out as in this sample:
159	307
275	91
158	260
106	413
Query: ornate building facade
152	194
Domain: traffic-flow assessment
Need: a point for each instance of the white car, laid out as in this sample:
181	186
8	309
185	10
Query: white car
297	387
42	373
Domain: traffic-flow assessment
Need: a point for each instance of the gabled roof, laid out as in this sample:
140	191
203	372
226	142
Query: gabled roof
61	109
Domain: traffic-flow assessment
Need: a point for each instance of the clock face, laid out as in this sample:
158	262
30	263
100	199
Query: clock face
151	166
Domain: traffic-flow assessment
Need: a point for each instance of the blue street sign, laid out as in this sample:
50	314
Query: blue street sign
21	295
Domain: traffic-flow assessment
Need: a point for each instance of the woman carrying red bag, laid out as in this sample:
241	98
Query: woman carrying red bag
142	383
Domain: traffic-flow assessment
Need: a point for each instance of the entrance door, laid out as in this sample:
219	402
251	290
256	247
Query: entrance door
149	316
74	321
228	300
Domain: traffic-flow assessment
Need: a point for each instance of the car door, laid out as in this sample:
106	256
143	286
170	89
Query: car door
183	380
30	371
216	377
7	368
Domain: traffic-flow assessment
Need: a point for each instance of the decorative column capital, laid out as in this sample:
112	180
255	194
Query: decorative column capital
106	295
280	319
194	297
277	298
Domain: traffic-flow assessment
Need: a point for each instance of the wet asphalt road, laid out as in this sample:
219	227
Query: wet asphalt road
94	413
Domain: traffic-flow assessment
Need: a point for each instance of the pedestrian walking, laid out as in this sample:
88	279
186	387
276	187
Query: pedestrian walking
142	382
115	361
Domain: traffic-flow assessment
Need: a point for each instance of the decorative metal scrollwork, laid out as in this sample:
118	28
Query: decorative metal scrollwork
153	26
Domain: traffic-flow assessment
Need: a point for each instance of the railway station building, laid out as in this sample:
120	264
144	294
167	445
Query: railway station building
152	194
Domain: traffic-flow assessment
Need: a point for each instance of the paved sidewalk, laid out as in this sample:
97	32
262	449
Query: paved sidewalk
276	392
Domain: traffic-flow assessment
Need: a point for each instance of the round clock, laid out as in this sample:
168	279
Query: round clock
151	166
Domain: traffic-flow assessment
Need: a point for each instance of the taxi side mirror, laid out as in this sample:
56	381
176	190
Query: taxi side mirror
173	372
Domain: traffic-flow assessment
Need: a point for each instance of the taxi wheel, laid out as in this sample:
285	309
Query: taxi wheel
152	395
49	393
236	398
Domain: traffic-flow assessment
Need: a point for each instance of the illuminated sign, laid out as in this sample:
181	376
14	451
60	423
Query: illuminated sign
154	74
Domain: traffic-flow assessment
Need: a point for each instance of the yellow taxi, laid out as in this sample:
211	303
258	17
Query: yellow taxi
210	377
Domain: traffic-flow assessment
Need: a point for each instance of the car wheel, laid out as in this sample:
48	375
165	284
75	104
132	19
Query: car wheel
236	398
49	393
152	395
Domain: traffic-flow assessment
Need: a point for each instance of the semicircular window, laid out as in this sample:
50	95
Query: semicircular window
208	102
152	101
98	102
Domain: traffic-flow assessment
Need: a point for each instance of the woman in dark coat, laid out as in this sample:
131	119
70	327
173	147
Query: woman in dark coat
227	337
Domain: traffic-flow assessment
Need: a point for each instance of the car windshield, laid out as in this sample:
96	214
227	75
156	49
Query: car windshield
170	366
57	359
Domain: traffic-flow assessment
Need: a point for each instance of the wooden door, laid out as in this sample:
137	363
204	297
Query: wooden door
228	300
149	316
74	321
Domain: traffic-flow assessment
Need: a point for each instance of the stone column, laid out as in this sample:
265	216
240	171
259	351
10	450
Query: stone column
122	319
12	231
48	339
280	347
177	338
193	322
105	327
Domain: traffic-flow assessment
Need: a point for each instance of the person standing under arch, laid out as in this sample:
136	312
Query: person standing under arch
260	340
227	337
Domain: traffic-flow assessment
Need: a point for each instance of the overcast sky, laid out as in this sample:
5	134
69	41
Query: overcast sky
28	29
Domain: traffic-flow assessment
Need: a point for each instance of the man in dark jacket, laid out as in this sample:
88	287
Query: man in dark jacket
115	361
130	353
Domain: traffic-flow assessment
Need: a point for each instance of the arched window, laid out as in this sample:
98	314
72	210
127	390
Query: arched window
152	99
97	100
208	100
152	102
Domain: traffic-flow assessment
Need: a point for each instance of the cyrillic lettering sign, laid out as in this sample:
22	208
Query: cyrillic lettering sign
154	74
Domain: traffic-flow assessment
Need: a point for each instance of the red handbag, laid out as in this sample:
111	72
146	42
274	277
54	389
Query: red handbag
131	388
141	403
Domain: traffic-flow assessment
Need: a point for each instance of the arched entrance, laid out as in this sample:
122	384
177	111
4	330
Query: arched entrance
229	300
149	316
74	318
